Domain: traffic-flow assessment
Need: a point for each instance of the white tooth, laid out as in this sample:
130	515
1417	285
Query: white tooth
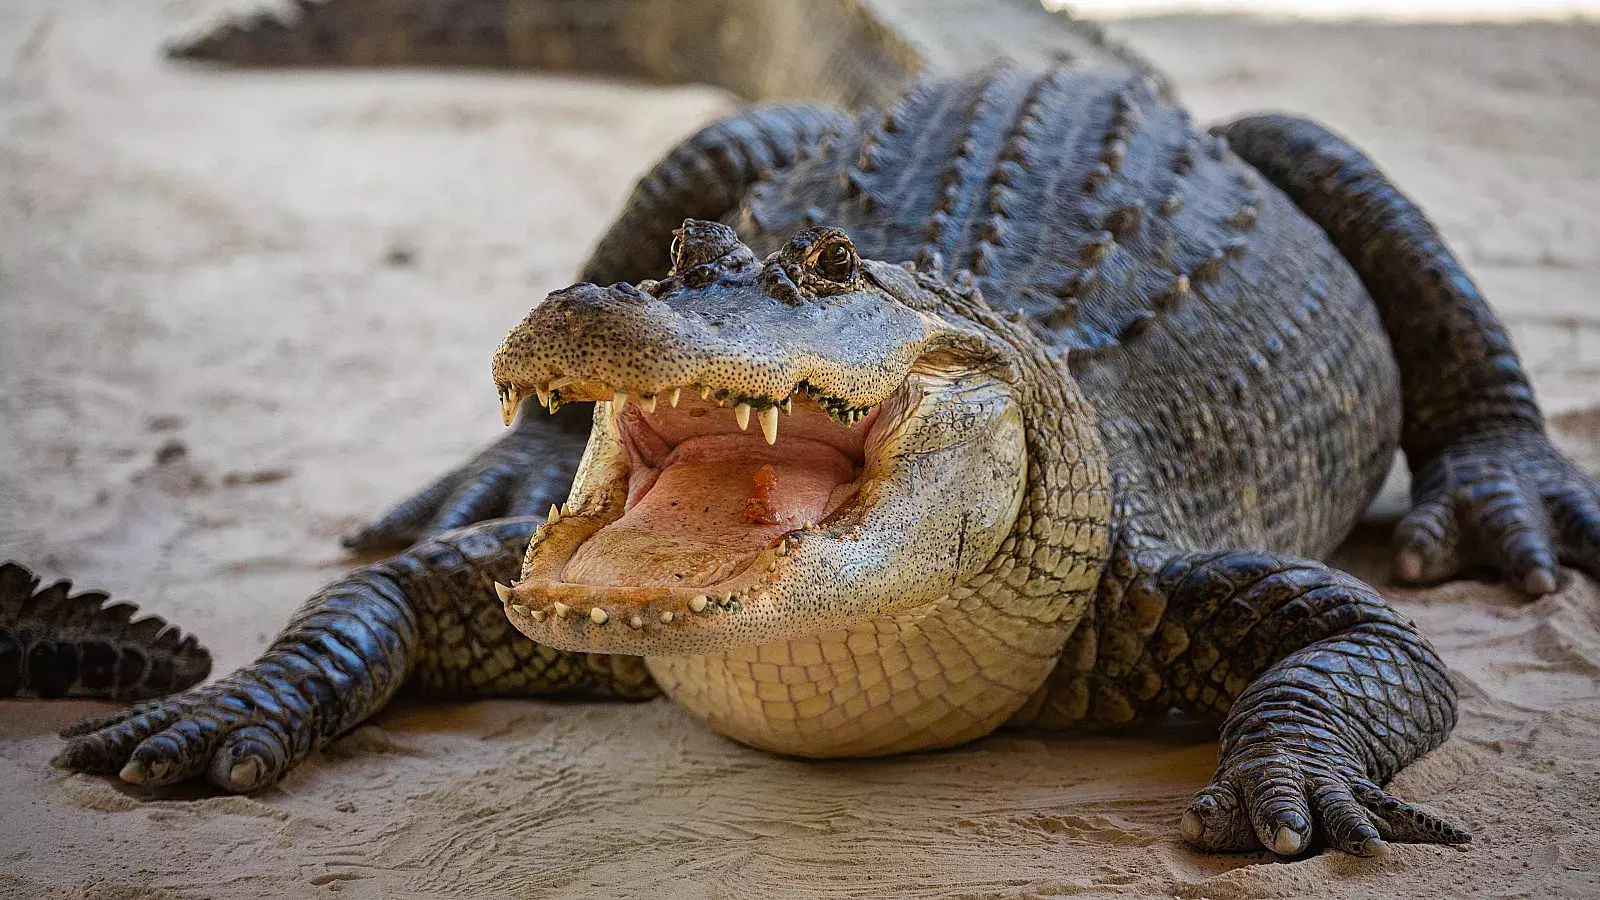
544	394
560	609
636	623
769	424
520	610
697	604
673	395
536	614
666	617
566	509
508	405
619	399
705	392
555	515
598	616
787	405
503	591
648	401
741	414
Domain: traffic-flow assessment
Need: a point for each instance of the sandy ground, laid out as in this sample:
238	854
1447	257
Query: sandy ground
298	279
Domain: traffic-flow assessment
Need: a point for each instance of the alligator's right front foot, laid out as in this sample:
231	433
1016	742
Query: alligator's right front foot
241	733
343	655
519	475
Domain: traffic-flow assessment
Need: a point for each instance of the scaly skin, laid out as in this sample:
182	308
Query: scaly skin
428	618
1168	367
57	644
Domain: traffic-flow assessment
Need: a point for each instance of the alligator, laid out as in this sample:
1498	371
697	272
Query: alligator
1058	401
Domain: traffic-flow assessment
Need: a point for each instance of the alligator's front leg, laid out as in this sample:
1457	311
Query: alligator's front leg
429	617
1325	692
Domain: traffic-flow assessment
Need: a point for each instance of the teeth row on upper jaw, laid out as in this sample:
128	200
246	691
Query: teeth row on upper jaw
766	408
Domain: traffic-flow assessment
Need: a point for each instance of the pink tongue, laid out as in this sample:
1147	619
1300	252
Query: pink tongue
696	526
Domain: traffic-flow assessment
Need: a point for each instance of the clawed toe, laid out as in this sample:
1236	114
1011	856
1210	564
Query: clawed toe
1291	806
1407	823
249	759
1512	502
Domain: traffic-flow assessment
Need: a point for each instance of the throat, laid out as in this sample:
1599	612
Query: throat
951	672
703	513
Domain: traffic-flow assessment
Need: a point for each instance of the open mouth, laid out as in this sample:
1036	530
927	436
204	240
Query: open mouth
687	514
707	493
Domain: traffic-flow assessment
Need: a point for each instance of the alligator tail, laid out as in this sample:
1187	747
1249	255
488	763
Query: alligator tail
57	644
849	52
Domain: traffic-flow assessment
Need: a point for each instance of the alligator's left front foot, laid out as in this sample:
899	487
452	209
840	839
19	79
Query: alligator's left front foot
1509	500
1287	794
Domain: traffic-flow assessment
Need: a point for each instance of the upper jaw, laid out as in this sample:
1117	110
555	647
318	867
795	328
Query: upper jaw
730	343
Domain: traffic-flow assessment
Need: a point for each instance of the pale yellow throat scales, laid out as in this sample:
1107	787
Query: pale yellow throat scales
944	674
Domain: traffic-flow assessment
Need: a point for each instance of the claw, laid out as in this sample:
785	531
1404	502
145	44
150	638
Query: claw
1191	827
1540	582
1287	842
1376	847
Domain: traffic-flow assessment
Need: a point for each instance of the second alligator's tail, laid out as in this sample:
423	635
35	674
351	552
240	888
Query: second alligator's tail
850	52
54	643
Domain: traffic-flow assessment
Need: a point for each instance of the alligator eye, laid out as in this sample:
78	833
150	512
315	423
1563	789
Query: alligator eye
836	260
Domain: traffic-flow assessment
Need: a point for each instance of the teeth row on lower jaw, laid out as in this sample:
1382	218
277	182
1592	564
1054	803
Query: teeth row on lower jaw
766	408
733	602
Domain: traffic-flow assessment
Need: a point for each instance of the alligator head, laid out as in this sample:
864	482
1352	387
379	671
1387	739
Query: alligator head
780	446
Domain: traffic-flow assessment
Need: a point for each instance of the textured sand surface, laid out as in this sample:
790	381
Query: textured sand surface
298	278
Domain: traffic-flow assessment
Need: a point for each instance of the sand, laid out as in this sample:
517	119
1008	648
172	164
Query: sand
287	286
